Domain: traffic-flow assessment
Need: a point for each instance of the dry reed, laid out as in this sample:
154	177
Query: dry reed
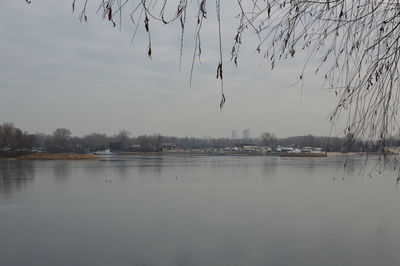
58	156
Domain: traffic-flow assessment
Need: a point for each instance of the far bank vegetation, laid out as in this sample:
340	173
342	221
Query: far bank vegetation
62	145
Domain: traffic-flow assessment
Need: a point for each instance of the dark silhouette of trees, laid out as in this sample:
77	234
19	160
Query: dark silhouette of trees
268	139
59	141
96	142
120	141
14	139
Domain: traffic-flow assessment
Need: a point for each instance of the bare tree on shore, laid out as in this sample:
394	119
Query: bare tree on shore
59	141
13	138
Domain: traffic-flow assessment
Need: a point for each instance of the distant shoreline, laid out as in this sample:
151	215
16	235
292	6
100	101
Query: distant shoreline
90	156
52	156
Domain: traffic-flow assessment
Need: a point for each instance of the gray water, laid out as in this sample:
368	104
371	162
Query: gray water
129	210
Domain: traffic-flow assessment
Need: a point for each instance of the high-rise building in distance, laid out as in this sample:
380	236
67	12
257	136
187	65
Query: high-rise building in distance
234	134
246	133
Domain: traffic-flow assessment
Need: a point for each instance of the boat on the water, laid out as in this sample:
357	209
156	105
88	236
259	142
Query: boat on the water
105	152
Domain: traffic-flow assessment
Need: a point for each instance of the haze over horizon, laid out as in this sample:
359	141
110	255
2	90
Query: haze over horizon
58	72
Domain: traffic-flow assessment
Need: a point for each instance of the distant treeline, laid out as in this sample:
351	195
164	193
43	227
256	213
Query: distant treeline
13	139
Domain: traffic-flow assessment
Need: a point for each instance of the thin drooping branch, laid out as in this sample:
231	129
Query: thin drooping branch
220	63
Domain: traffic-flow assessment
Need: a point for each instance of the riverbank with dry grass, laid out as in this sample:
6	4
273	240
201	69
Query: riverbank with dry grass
57	156
302	154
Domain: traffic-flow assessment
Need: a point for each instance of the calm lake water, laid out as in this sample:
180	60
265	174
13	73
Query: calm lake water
128	210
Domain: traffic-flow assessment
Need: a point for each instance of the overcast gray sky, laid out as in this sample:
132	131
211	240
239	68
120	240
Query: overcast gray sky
58	72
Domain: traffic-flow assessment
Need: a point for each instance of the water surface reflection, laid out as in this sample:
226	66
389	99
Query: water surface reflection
179	210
